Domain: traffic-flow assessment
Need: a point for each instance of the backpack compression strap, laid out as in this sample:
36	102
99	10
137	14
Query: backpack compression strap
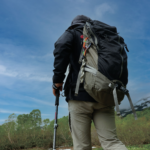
80	77
126	92
78	83
116	102
129	98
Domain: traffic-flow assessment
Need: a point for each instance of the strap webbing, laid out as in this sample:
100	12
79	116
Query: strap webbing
90	69
81	54
78	83
132	107
81	73
116	102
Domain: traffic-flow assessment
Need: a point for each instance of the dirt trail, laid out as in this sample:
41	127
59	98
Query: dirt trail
70	148
65	148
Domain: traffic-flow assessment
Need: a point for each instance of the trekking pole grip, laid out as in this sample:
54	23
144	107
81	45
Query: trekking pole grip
57	97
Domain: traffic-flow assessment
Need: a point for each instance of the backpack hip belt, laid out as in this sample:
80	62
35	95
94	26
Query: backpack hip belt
113	85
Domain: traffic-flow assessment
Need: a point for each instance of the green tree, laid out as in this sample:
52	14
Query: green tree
35	116
46	123
24	121
10	126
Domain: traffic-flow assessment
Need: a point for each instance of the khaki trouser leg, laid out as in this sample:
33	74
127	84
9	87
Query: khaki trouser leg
81	115
80	127
104	121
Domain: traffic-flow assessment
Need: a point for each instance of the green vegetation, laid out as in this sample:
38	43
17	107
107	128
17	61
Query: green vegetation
24	132
144	147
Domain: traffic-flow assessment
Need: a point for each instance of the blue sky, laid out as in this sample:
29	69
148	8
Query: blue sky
28	31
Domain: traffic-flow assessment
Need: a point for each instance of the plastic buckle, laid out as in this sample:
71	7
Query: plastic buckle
124	90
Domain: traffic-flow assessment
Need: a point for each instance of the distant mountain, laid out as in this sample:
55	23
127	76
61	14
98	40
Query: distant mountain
140	107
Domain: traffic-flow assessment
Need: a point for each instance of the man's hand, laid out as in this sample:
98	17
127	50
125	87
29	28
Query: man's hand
58	85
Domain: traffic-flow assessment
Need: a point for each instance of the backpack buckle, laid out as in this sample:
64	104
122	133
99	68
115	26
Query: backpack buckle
119	86
125	91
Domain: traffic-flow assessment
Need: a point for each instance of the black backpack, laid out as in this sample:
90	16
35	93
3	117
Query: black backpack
104	65
112	57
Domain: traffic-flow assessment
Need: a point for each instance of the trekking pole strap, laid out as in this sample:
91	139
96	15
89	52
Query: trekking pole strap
131	104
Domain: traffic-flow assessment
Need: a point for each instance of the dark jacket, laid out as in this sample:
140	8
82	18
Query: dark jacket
67	51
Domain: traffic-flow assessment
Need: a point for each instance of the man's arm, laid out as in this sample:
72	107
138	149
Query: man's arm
62	51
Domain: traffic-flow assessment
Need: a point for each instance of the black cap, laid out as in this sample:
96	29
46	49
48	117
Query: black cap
79	20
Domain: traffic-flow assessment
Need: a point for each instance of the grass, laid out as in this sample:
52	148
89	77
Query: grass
129	132
140	147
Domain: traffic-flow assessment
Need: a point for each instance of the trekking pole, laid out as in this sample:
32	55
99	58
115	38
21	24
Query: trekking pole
56	114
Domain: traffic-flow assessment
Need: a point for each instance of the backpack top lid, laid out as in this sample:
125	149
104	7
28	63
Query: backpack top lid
103	26
79	20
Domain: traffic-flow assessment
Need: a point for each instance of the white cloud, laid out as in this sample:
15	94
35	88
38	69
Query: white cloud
40	101
23	74
10	112
103	9
2	102
2	68
5	72
44	57
2	120
64	105
18	62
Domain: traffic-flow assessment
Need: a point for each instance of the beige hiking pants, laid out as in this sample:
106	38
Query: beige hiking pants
81	114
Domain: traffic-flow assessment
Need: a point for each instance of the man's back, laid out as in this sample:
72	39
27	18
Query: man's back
82	108
67	50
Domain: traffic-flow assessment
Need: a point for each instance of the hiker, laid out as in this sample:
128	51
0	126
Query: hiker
83	108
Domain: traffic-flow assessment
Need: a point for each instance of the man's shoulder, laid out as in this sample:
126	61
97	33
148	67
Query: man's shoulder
77	28
67	35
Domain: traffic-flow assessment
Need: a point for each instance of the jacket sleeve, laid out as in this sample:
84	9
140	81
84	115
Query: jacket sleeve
63	48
